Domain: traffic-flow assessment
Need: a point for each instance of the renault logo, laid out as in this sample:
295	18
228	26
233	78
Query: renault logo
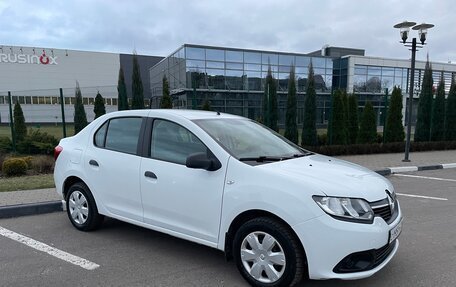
391	199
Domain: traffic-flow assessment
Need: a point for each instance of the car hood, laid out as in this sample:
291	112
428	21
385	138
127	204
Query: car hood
332	177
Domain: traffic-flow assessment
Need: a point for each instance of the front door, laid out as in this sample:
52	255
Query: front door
180	199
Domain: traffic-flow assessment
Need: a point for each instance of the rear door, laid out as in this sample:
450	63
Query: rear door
180	199
112	165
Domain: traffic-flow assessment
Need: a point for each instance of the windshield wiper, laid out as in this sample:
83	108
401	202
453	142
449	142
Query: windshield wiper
301	154
264	158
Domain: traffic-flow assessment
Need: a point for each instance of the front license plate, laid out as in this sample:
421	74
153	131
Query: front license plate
395	232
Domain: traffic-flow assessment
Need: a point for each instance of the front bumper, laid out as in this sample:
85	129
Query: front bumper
328	242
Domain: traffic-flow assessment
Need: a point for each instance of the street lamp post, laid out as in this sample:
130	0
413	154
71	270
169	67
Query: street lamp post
404	32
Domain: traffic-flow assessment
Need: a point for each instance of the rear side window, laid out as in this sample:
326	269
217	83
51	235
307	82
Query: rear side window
174	143
120	134
100	135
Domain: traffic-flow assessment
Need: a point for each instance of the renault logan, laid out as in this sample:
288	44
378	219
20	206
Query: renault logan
281	212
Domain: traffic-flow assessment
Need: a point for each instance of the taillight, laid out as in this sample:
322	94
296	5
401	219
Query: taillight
57	150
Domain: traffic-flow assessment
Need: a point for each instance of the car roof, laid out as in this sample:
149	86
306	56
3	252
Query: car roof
188	114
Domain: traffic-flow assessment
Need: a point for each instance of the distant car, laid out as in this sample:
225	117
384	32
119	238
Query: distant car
281	212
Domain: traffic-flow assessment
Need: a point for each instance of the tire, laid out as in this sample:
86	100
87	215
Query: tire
277	259
81	208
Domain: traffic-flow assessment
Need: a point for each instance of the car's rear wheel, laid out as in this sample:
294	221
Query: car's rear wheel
267	253
81	208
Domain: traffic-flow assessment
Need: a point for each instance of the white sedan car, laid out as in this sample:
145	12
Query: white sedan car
227	182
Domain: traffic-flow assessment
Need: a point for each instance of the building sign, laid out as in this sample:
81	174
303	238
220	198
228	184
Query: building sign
28	59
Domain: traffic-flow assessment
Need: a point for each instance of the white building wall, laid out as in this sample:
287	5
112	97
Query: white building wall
90	69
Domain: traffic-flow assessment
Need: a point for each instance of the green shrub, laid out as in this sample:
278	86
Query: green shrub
5	145
323	139
43	164
27	159
2	159
375	148
37	142
379	138
14	167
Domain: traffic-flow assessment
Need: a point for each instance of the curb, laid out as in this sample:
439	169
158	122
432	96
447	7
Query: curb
30	209
393	170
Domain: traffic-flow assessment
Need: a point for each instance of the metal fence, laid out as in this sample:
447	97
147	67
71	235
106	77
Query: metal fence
45	106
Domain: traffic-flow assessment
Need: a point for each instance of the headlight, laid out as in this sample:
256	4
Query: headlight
349	209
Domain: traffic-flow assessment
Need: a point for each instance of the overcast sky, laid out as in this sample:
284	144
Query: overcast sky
156	27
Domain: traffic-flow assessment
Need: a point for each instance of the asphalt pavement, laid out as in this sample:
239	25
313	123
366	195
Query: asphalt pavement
128	255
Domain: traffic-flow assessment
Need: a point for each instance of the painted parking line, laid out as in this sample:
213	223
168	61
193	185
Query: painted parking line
70	258
422	196
425	177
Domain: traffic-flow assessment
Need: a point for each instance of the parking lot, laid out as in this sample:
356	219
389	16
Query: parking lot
125	254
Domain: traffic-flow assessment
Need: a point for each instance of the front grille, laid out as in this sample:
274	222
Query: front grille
364	260
382	209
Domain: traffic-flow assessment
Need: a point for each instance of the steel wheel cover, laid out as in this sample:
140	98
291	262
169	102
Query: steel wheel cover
78	207
263	257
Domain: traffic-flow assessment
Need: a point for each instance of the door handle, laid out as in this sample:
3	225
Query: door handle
93	162
150	174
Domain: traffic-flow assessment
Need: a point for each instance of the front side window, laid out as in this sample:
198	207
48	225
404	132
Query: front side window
174	143
122	135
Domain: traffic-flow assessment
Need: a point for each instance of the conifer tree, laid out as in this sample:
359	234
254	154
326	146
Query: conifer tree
423	123
99	106
19	122
270	113
438	113
394	129
137	86
368	126
122	98
206	105
353	125
337	127
450	113
80	118
291	125
166	101
309	126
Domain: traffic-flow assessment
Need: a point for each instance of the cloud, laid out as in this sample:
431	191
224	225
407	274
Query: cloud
159	27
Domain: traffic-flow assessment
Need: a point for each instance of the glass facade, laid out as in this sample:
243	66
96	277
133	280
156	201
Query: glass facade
233	80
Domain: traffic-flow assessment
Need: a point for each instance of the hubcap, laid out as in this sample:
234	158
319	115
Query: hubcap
79	207
263	257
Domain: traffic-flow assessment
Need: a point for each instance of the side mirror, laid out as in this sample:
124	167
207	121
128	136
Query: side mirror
200	160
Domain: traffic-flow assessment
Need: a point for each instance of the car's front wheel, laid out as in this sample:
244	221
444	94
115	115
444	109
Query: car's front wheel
267	253
81	208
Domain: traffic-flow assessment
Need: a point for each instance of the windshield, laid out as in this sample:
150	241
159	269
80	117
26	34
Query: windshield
249	141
